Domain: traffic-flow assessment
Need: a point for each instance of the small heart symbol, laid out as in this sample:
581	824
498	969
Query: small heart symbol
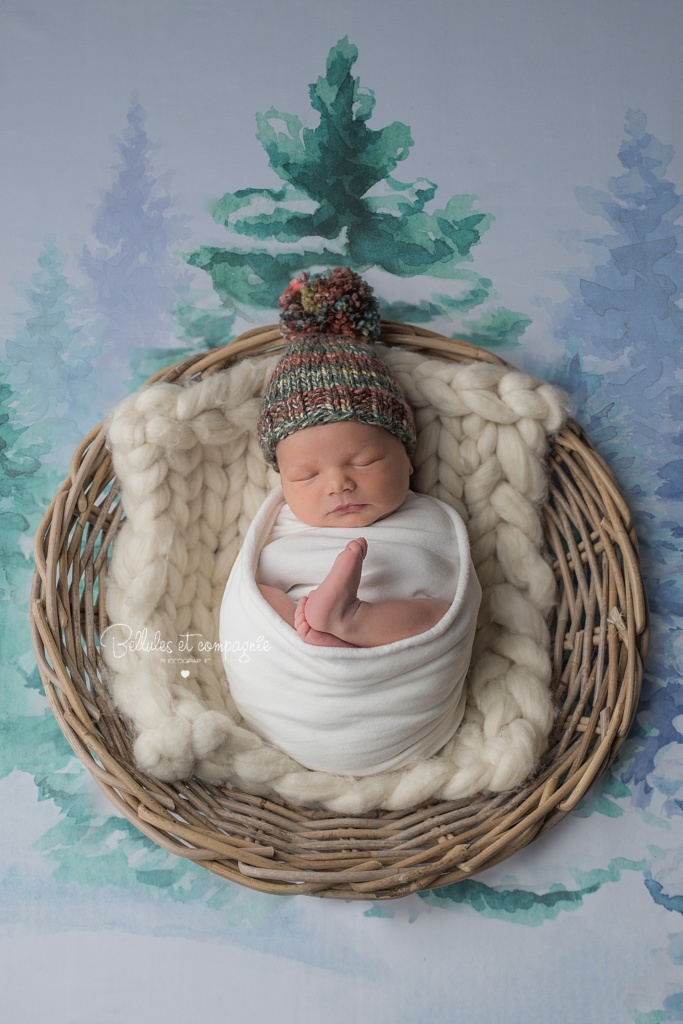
184	673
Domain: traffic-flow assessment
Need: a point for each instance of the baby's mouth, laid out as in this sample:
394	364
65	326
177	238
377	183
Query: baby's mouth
349	508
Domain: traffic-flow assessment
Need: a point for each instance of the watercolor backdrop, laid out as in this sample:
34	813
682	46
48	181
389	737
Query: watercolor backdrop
507	172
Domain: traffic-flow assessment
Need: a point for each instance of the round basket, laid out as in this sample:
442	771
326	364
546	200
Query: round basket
600	638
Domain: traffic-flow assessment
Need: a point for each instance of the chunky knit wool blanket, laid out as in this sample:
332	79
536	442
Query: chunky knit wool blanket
192	478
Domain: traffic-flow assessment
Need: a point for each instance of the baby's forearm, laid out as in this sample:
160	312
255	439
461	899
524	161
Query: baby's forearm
278	600
367	624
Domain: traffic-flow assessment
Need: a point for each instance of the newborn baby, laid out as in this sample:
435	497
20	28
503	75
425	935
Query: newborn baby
356	596
347	475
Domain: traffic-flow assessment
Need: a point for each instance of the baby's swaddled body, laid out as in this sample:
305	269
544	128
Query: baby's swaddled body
354	711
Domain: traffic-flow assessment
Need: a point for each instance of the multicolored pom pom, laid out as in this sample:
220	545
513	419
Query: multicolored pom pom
337	302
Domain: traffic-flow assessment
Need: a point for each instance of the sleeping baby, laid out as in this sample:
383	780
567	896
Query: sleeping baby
359	595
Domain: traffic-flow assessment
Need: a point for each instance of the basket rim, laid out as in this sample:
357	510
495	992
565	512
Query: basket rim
158	809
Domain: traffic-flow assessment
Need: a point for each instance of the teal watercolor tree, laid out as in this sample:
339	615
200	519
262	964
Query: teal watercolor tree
47	403
29	734
339	203
50	396
93	848
54	386
49	359
20	462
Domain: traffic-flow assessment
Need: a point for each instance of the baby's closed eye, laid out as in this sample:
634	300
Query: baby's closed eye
367	461
302	476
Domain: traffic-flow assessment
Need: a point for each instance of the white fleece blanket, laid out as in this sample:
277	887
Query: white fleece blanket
192	478
352	711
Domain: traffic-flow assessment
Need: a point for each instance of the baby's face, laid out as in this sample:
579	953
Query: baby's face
343	474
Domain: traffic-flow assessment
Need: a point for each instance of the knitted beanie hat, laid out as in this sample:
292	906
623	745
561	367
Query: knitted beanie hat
331	372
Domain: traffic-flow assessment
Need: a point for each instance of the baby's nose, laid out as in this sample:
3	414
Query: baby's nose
339	480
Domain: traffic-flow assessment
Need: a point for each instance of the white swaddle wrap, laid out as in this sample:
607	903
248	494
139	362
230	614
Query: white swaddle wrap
352	711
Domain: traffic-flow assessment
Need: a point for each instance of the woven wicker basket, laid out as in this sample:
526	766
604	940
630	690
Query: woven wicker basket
600	632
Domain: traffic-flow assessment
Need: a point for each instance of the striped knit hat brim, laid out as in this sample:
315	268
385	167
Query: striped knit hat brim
326	379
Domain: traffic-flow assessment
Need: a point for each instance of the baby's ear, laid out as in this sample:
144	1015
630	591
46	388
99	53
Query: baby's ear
412	469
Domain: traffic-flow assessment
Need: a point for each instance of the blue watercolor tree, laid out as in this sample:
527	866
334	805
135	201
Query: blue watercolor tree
631	305
339	203
638	290
137	277
623	330
623	327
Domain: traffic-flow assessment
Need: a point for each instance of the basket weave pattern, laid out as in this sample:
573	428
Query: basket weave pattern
600	638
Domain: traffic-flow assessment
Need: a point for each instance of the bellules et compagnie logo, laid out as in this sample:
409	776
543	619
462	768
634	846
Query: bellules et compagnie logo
119	639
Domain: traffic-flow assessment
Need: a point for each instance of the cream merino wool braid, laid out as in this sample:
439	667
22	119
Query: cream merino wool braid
192	477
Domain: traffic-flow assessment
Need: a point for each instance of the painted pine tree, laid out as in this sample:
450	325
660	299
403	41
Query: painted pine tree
623	326
86	844
137	278
623	329
636	293
339	203
27	732
47	403
50	396
626	320
20	462
48	360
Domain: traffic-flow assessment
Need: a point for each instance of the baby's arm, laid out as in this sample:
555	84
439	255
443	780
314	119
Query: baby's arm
278	600
384	622
334	608
367	624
